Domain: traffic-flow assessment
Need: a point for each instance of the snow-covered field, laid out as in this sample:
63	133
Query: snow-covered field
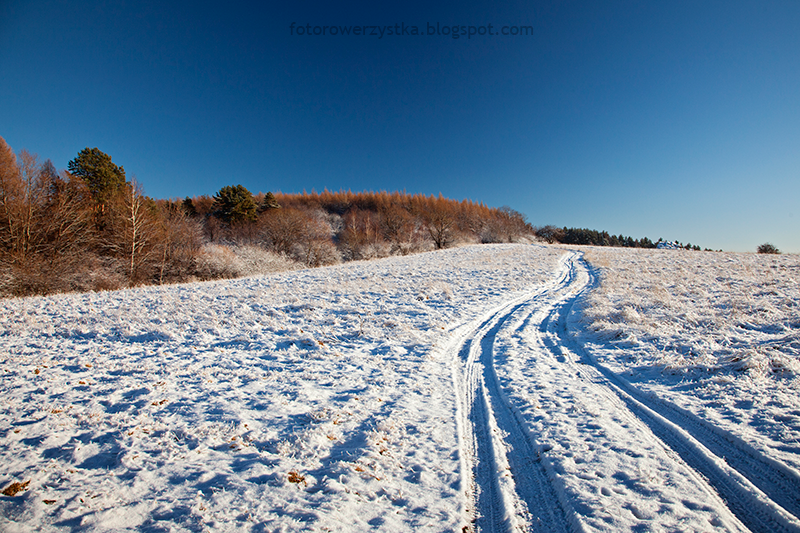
485	387
717	333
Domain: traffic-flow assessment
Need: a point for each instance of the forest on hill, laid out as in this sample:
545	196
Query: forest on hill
585	236
88	228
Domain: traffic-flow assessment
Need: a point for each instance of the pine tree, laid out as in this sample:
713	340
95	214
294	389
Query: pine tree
235	204
269	202
188	207
103	177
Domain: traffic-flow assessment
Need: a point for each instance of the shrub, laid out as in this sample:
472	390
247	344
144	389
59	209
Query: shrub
768	248
217	261
256	261
302	234
220	261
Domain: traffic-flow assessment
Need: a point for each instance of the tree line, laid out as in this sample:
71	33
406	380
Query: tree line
585	236
90	228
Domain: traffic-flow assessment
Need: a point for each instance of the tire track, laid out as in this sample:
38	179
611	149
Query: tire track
763	493
510	484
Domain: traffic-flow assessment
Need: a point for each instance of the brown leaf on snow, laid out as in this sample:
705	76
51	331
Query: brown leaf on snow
294	477
15	488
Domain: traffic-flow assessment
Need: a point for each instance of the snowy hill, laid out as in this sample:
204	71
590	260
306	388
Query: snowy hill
431	392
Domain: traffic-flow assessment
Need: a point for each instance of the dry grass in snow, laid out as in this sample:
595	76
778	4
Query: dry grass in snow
721	311
718	333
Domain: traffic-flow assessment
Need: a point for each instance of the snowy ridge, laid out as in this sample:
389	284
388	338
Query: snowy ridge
304	400
592	436
509	486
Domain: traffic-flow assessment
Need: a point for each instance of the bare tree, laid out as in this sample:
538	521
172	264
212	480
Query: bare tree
21	194
399	228
70	234
44	225
301	234
440	220
511	224
280	229
130	236
361	237
550	233
180	239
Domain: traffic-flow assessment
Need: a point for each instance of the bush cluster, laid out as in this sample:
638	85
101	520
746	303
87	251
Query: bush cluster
768	248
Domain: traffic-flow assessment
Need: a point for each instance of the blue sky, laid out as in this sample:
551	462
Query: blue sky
676	119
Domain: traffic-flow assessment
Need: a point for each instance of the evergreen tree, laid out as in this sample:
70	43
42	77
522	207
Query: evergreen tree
269	202
102	176
188	207
235	204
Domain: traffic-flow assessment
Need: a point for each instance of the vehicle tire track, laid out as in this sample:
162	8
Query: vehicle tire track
510	485
763	493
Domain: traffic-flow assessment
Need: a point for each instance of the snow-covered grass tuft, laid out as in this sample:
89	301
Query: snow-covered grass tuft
257	261
723	312
220	261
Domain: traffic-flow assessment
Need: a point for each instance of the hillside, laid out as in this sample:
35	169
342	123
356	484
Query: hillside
338	397
90	228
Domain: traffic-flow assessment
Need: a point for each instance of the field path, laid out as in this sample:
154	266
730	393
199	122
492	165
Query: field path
550	440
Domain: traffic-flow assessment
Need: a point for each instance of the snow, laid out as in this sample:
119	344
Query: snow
716	333
354	397
190	406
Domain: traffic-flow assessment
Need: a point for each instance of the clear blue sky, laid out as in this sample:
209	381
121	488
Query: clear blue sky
674	119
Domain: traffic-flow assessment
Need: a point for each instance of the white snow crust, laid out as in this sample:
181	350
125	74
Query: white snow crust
343	398
313	399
